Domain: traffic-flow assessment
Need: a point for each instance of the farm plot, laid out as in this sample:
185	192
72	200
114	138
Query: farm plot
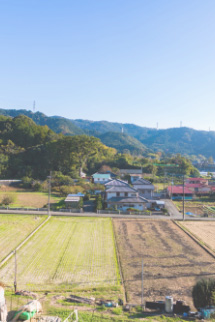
29	199
203	230
67	251
14	229
173	262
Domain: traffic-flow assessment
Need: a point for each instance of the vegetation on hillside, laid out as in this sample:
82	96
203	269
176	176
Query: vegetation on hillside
174	140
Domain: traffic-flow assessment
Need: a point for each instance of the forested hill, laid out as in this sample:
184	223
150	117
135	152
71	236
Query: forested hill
175	140
56	124
122	142
30	150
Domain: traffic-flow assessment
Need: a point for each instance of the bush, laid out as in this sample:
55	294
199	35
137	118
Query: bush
203	293
37	186
8	199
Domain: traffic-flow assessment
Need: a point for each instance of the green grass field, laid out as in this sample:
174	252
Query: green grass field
66	252
14	229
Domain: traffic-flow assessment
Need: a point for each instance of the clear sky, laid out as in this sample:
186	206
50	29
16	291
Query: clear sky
129	61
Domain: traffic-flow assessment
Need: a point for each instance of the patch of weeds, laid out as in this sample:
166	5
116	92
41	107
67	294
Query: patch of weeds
117	310
101	308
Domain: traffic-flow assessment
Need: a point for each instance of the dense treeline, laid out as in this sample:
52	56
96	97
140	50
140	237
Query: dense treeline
29	150
185	141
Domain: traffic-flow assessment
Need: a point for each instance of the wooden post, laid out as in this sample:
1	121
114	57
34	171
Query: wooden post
15	273
142	289
183	200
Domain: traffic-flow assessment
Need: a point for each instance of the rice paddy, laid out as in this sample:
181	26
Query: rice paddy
14	229
66	252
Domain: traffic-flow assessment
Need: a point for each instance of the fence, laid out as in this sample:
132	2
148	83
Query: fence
42	209
119	212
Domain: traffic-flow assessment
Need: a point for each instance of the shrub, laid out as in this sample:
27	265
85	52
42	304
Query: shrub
37	186
203	293
8	199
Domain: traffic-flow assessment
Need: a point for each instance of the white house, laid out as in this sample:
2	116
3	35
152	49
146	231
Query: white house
101	178
120	195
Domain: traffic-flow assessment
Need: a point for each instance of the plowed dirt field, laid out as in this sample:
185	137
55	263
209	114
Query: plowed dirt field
204	230
173	262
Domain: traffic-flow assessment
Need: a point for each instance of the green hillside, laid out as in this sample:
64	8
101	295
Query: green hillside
122	142
57	124
174	140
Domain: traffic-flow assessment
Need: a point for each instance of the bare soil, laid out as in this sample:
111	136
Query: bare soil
173	262
204	230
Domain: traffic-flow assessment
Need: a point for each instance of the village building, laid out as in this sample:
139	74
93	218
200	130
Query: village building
144	187
101	178
131	172
73	199
177	193
120	195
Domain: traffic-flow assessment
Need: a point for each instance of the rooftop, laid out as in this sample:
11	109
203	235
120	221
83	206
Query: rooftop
117	182
120	189
128	200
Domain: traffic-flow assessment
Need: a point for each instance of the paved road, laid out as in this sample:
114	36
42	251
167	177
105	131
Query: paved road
85	214
174	214
173	211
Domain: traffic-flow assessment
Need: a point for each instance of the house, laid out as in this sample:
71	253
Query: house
144	187
101	178
124	203
119	194
73	199
177	192
198	188
196	181
131	172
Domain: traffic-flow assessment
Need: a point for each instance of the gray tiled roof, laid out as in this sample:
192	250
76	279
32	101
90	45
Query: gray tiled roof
141	181
116	182
121	189
128	200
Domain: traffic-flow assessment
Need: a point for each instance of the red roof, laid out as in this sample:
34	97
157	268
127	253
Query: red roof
197	179
179	190
194	185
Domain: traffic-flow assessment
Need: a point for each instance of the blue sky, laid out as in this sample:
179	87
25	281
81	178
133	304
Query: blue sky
136	61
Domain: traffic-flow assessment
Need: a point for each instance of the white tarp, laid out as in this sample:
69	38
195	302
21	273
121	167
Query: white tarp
3	306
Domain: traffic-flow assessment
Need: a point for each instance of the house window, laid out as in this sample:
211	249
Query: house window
126	194
118	194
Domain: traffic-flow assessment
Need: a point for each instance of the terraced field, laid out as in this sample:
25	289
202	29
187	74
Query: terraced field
14	229
67	251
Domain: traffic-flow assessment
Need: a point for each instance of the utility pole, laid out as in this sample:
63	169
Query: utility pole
171	187
49	196
15	273
142	290
183	199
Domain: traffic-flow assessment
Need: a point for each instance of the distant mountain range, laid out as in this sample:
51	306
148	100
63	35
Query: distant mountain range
134	138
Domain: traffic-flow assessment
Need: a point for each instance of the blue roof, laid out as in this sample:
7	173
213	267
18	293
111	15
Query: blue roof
102	175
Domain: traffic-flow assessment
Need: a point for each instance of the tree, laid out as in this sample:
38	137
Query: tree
203	293
80	203
98	202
